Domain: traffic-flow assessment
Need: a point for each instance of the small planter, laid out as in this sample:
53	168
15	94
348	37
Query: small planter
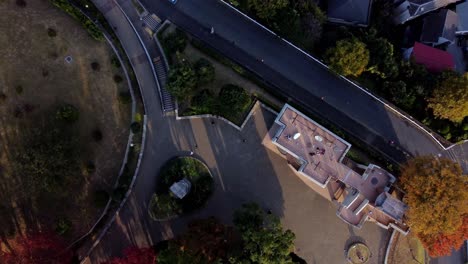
164	205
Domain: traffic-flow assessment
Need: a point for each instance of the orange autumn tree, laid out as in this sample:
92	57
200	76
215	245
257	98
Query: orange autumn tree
442	244
438	202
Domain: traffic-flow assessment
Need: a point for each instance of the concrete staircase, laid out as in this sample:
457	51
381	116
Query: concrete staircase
152	22
167	101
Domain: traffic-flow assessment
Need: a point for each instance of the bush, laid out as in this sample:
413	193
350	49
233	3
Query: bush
92	29
90	167
19	89
138	117
51	32
67	113
95	66
175	41
205	71
97	135
125	97
115	62
100	198
233	100
3	97
135	127
182	81
203	102
163	204
63	226
118	78
21	3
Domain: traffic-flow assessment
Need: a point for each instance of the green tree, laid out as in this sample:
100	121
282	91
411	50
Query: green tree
450	98
436	196
175	41
232	100
264	240
174	254
312	19
400	94
266	9
382	60
182	81
349	57
205	71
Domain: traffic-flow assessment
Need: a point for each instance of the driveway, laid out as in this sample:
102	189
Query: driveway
243	171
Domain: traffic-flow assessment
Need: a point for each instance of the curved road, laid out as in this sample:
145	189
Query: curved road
299	78
242	171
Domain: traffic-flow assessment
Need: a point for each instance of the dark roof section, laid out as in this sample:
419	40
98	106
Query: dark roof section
407	10
443	23
434	59
350	12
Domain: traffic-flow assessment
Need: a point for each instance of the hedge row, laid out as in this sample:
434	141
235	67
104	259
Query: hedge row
92	29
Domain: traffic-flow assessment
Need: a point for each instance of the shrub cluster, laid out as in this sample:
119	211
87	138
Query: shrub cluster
92	29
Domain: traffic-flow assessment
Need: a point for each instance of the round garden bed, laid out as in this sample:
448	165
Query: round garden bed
358	253
166	204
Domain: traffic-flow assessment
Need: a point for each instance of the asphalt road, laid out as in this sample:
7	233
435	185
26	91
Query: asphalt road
297	77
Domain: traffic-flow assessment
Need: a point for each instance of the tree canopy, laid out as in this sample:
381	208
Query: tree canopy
264	240
204	70
436	196
182	80
382	61
134	255
266	9
443	244
37	248
349	57
450	98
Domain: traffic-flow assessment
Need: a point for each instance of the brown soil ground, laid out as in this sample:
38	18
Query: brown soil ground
36	62
407	249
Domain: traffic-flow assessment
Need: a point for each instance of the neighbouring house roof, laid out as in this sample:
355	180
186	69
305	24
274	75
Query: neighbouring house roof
462	11
410	9
434	59
441	24
349	12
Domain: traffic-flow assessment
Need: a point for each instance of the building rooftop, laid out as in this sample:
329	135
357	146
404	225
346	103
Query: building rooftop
410	9
319	150
440	24
350	12
435	60
317	154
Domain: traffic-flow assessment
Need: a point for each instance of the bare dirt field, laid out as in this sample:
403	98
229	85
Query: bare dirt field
35	78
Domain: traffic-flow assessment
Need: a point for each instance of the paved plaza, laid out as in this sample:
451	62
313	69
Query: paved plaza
243	172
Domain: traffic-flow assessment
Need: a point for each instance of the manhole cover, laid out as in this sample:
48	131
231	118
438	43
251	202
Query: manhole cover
68	59
358	253
374	181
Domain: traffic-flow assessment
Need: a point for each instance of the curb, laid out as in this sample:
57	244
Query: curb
251	111
393	109
387	252
130	136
